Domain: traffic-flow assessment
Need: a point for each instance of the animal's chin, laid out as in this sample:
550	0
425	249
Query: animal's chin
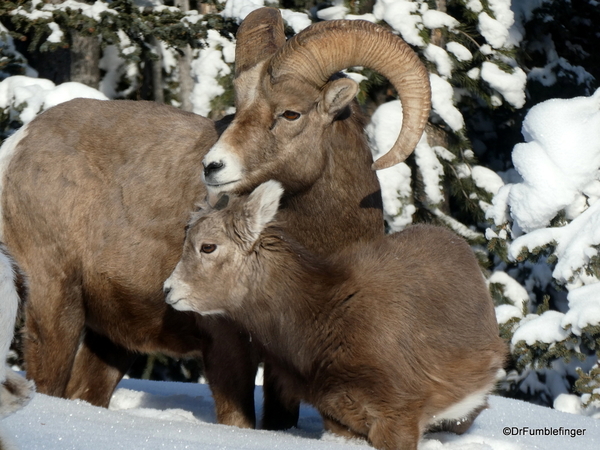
179	304
214	190
221	187
213	312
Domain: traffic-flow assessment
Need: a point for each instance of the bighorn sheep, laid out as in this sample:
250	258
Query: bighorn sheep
387	338
96	195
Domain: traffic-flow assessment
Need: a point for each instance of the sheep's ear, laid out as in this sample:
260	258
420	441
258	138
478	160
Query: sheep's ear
261	207
337	95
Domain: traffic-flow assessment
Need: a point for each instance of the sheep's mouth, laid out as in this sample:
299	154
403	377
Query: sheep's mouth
218	185
172	302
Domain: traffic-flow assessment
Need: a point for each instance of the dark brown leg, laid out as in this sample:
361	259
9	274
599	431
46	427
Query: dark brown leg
230	364
98	368
54	323
278	414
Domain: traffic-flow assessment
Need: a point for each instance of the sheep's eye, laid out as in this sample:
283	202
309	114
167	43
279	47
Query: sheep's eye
208	248
291	115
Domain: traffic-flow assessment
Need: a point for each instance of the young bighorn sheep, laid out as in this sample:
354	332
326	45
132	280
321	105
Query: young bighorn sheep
95	197
387	339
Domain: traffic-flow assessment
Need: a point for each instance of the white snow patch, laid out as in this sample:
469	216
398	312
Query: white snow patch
38	94
486	179
584	308
543	328
297	20
511	289
396	191
510	85
239	9
506	312
399	15
57	35
181	415
437	19
207	68
440	58
442	95
558	161
461	52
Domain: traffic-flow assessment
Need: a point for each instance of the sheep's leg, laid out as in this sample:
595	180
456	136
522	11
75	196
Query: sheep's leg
277	413
98	368
53	326
396	434
230	364
338	428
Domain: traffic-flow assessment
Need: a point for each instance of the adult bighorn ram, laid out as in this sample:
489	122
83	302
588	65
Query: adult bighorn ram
387	338
96	195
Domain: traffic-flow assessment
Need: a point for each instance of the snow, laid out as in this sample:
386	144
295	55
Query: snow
437	19
93	11
510	85
559	166
396	191
442	95
492	30
397	13
560	158
511	289
506	312
461	52
297	20
239	9
440	58
337	11
154	415
543	328
211	64
486	179
432	172
584	308
57	35
39	94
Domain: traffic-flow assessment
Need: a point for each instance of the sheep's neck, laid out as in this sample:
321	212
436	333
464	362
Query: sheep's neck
294	303
344	205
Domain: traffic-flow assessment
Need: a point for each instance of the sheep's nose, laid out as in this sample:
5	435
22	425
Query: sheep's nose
212	167
166	290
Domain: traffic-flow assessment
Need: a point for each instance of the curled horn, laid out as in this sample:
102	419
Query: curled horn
260	35
324	48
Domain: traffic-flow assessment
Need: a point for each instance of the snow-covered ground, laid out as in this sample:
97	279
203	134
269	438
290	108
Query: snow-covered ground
148	415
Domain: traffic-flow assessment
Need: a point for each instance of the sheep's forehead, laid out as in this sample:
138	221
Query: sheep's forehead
292	94
213	224
207	227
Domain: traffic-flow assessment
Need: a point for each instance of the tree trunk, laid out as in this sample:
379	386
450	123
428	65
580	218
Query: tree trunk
85	59
186	83
158	94
79	63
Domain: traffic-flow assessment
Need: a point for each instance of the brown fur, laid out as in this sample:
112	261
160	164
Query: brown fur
381	337
95	202
97	195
